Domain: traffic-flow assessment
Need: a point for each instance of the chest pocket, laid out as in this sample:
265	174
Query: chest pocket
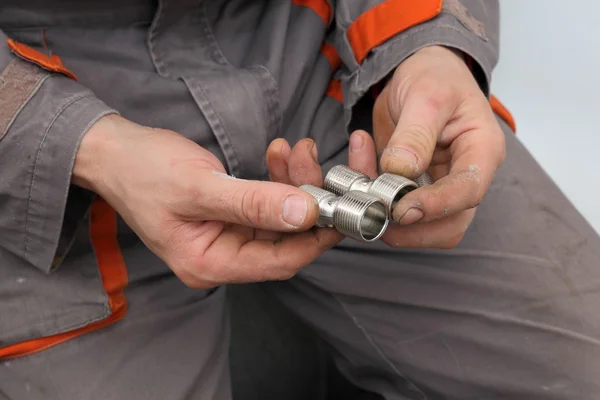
241	107
241	104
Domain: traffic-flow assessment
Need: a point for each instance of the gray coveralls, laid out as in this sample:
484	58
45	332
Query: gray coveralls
512	313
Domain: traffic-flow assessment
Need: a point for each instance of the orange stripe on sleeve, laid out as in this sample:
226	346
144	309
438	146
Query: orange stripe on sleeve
103	232
321	7
335	90
503	112
386	20
332	56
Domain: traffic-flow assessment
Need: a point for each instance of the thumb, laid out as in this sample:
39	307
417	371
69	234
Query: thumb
421	116
258	204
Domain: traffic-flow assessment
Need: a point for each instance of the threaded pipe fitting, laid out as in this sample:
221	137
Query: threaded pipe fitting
326	201
390	188
424	180
342	179
358	215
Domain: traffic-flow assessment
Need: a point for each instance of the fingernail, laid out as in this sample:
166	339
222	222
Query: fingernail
411	216
285	150
401	153
294	210
313	152
356	143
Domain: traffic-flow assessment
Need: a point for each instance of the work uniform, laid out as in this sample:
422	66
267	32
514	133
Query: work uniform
88	312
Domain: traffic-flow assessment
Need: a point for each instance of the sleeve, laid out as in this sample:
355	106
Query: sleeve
372	37
44	113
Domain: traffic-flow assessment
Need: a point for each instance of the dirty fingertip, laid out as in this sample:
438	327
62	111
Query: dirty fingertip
411	216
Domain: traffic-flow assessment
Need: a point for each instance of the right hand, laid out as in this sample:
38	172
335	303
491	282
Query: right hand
210	228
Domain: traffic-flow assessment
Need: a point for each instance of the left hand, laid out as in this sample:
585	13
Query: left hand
433	116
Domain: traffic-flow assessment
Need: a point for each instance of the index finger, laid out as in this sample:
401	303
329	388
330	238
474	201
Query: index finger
475	157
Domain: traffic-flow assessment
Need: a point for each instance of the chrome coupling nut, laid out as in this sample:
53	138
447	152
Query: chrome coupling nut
355	214
389	188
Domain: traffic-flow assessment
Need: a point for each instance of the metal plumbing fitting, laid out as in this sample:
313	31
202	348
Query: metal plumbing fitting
388	187
355	214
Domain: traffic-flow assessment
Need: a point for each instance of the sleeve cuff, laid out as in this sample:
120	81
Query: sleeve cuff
51	183
444	30
38	153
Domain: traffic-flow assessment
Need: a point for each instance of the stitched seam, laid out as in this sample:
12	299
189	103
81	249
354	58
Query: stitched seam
216	52
355	77
223	137
377	348
37	157
67	328
271	92
409	35
159	64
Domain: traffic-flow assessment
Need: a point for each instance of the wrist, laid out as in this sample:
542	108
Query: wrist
97	154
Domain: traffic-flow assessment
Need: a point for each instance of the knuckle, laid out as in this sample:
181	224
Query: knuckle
435	202
426	84
438	93
418	138
187	190
253	209
477	198
190	278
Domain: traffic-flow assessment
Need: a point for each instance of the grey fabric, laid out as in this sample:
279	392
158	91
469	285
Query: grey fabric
37	155
508	314
172	345
273	355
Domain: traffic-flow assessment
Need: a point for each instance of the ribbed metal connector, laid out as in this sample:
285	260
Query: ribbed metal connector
389	188
342	179
424	180
358	215
326	201
361	216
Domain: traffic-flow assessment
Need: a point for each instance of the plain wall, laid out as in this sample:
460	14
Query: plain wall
549	78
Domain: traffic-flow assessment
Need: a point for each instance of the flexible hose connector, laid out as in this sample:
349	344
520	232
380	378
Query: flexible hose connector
355	214
389	188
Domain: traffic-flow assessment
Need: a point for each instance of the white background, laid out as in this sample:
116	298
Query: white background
548	76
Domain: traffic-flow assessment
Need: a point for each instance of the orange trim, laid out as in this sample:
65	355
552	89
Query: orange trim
335	90
321	7
103	232
503	112
332	56
51	63
386	20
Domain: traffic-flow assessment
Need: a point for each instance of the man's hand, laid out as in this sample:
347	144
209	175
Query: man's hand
207	226
433	116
